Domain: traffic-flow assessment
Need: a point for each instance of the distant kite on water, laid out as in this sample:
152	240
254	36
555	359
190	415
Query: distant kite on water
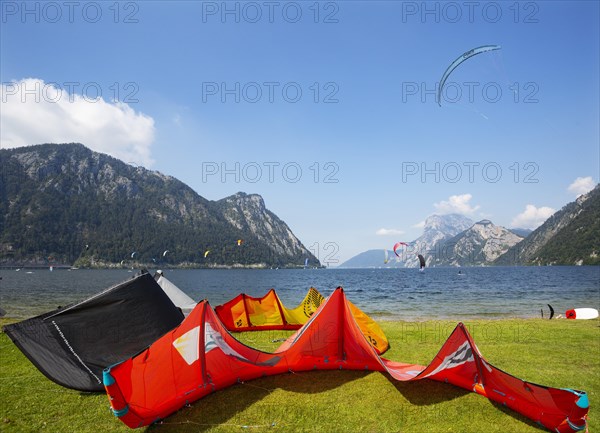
397	245
421	262
458	61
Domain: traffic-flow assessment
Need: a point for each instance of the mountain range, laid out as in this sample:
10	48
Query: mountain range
65	204
436	230
481	244
569	237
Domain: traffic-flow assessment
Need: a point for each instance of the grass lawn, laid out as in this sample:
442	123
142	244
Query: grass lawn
558	353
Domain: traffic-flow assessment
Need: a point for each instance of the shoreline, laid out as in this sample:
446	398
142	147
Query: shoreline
7	319
387	296
138	266
260	266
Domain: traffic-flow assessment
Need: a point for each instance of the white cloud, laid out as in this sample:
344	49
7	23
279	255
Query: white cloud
419	225
389	232
34	112
456	204
532	217
581	185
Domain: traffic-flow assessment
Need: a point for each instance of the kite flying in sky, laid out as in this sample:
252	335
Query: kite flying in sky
458	61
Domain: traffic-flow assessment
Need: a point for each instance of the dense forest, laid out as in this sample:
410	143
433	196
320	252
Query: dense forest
569	237
579	241
64	204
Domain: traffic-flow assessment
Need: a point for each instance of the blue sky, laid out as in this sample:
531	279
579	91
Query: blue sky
326	109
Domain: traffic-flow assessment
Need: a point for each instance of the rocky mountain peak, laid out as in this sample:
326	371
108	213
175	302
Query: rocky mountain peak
243	200
449	225
248	213
437	229
480	244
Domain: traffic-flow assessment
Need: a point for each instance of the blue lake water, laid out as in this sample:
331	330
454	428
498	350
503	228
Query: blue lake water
386	294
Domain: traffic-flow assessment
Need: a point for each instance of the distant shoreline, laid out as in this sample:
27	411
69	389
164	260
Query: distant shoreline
182	266
137	266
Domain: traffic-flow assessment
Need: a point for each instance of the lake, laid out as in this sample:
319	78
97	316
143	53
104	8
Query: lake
385	294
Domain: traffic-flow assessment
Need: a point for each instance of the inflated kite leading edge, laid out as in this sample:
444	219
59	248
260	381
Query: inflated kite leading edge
200	357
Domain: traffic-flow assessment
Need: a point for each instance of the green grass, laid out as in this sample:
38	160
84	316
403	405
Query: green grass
559	353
